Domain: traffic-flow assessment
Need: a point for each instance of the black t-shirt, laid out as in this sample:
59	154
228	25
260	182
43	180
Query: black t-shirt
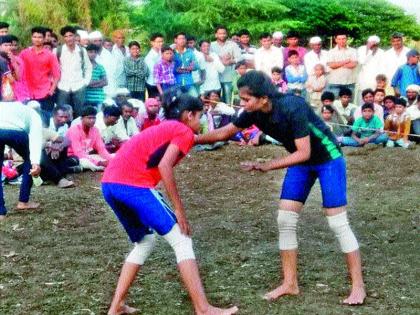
292	118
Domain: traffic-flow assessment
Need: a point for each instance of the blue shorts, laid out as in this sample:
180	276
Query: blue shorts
299	180
140	210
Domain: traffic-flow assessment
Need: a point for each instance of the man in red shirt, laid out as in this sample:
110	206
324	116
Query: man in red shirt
152	110
42	73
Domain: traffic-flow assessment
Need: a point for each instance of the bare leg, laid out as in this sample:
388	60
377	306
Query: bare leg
354	266
288	258
191	279
127	276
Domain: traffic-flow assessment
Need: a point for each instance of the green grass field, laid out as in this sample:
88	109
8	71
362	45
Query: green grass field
65	259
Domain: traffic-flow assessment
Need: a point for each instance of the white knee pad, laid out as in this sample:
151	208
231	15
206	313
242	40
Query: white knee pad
340	226
180	243
287	222
142	250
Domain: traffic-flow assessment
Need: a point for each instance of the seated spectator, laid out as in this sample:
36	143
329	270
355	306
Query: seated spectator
315	85
295	74
126	124
344	108
406	74
106	122
121	96
86	143
152	110
382	83
163	71
378	97
414	112
368	98
411	94
277	79
240	70
59	121
366	129
398	125
332	120
327	98
139	110
95	94
389	105
216	113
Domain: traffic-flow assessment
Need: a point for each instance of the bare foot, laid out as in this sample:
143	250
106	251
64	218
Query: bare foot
357	296
284	289
27	205
124	309
219	311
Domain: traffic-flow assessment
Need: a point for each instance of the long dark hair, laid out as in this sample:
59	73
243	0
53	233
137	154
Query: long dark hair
258	84
175	105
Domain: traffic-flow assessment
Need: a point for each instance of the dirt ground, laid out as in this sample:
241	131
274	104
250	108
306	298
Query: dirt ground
65	259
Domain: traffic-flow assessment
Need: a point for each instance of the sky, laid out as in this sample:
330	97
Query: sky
411	6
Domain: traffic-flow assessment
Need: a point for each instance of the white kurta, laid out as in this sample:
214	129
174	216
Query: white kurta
370	67
266	59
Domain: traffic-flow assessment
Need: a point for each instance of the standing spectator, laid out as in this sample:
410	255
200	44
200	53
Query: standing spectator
84	38
213	67
369	58
21	129
412	91
414	112
151	59
382	83
4	28
120	53
342	60
267	56
136	72
398	126
95	95
164	71
394	57
407	74
229	53
277	80
42	73
20	87
315	85
105	59
12	68
185	64
76	71
247	49
315	56
295	74
107	43
278	40
292	39
198	74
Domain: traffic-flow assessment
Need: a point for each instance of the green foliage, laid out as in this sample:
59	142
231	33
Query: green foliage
360	18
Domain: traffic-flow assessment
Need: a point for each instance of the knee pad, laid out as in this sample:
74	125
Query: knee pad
287	222
142	250
180	243
341	228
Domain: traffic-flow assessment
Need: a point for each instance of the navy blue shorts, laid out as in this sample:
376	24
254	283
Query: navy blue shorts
299	180
140	210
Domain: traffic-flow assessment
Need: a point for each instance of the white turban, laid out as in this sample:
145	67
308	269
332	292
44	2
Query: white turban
95	35
278	34
315	40
83	34
374	39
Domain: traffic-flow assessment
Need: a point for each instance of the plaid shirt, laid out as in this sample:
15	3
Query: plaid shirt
164	72
136	73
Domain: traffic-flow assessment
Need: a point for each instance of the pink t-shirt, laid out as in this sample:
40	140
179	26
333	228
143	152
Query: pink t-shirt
136	163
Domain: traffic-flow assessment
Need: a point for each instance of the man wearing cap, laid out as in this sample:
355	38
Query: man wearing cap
394	57
407	74
76	71
84	38
292	39
412	92
369	57
342	61
105	59
315	56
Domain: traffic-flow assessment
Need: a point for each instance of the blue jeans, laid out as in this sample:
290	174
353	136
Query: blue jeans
227	88
19	141
349	141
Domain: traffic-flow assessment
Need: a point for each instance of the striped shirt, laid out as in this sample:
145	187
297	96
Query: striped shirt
136	73
96	95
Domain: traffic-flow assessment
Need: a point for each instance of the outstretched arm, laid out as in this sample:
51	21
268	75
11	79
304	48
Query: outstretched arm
220	134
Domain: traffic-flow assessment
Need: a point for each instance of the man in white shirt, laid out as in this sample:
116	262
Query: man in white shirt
21	129
315	56
268	56
151	59
119	52
394	57
213	67
370	58
278	40
76	71
414	112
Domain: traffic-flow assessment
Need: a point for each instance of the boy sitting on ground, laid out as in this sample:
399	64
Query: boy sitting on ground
398	125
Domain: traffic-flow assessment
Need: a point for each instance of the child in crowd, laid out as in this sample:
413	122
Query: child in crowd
276	78
407	74
152	110
240	70
128	186
331	119
344	108
95	94
163	71
366	129
389	105
296	75
316	85
382	83
216	113
378	97
126	124
136	71
398	125
368	96
327	98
